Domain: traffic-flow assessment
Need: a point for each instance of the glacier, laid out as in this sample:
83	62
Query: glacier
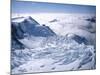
54	44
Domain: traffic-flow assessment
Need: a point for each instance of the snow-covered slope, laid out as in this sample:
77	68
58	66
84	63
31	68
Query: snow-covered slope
53	54
25	27
78	39
31	27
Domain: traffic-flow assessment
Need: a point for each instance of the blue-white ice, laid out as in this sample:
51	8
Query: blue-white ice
69	44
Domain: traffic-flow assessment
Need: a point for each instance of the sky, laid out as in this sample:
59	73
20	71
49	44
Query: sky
43	7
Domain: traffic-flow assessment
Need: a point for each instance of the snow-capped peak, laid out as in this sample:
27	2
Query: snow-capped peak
22	19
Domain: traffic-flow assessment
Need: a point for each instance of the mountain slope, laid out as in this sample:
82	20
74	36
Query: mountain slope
26	26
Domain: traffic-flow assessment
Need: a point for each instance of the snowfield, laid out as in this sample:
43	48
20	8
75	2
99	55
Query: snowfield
53	42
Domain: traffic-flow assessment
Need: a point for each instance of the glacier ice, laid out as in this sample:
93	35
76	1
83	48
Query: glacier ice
63	55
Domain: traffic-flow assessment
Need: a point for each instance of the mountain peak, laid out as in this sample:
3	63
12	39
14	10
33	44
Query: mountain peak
22	19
